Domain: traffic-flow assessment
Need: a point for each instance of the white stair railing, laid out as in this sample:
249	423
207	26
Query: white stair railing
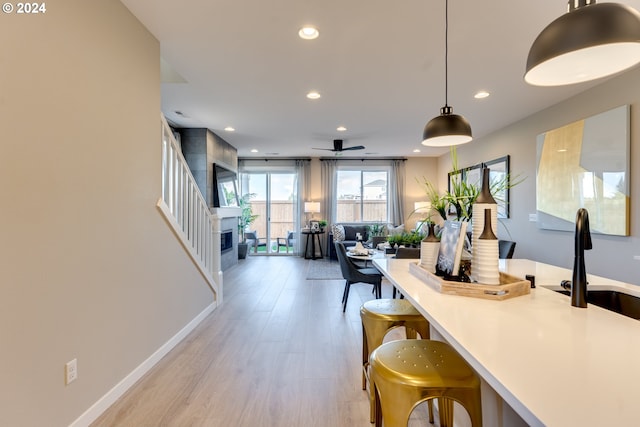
185	209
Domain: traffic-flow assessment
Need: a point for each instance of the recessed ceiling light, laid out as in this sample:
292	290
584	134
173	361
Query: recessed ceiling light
481	94
308	32
230	129
341	128
417	150
254	150
313	95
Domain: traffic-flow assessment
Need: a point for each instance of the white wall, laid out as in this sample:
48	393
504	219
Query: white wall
89	268
611	256
418	170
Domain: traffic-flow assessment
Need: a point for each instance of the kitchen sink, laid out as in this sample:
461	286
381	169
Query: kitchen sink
625	304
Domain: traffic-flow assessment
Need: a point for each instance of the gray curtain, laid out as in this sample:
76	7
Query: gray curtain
303	173
328	178
396	192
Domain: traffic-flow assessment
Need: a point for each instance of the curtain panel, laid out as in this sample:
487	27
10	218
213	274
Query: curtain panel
396	192
328	178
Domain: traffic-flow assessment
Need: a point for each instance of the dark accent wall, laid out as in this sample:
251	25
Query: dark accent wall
201	149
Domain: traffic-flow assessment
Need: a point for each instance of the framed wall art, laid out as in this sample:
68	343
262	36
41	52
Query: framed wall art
499	176
585	164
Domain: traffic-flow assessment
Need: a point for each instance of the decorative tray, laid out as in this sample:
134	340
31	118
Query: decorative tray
509	287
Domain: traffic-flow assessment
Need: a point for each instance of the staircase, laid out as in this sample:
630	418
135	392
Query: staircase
187	213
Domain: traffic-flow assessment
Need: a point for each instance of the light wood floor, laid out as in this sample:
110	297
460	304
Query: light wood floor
278	352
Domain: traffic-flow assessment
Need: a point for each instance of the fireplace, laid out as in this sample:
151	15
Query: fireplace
226	240
225	247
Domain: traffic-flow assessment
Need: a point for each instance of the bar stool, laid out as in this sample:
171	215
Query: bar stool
407	372
378	317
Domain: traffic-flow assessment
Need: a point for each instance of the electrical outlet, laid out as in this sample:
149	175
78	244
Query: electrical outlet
636	257
533	217
71	371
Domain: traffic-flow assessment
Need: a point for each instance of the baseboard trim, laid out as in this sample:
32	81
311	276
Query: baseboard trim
91	414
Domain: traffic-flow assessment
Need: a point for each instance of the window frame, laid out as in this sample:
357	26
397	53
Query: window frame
362	169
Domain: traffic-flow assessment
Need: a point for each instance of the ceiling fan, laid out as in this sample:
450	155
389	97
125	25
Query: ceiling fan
337	147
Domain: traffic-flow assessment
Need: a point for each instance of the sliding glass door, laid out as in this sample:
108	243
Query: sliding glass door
274	200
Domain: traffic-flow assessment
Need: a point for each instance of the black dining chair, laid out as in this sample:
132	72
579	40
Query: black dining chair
405	253
506	249
353	274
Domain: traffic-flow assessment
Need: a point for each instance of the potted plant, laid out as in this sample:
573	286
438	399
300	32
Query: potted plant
377	234
394	240
322	223
459	199
247	217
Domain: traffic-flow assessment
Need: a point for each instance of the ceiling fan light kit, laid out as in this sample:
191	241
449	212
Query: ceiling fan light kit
448	128
588	42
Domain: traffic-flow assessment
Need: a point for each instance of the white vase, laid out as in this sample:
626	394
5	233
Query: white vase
429	255
429	249
485	264
484	201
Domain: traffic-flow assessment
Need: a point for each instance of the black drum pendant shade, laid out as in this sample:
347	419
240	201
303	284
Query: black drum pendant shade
448	128
590	41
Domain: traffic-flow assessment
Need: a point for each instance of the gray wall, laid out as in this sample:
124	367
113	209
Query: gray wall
201	149
611	256
90	270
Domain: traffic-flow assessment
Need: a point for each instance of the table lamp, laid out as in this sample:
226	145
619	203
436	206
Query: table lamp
312	208
422	209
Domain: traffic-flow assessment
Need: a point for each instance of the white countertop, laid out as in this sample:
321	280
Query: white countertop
554	364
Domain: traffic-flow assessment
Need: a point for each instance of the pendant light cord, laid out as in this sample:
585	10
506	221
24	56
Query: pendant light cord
446	53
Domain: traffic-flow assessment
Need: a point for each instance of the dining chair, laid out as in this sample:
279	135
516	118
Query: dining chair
506	249
353	274
413	253
405	253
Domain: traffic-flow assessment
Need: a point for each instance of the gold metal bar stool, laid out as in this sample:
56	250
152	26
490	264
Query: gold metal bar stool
405	373
378	317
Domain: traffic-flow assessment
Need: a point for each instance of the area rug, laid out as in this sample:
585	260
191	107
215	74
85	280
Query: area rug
324	270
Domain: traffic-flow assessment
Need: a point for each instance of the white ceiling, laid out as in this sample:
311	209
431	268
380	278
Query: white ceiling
378	64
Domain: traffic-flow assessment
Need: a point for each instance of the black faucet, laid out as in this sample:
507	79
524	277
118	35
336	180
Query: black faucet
582	243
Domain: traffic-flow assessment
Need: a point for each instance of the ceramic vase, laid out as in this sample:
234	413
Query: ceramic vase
484	201
485	254
429	248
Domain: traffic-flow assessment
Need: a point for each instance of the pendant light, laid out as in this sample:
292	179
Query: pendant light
448	128
588	42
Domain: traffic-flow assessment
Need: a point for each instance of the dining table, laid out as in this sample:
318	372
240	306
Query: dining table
367	257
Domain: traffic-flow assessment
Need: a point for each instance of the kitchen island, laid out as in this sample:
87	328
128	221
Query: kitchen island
551	363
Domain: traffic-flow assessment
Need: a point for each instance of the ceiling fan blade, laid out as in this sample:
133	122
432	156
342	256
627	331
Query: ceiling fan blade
338	147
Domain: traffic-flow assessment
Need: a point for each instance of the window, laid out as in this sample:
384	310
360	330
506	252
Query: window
362	195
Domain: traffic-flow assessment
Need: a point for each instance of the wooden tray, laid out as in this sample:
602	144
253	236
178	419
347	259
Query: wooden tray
509	287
